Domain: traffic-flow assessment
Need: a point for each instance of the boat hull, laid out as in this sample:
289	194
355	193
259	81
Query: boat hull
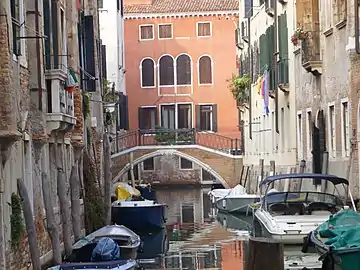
111	265
239	205
139	217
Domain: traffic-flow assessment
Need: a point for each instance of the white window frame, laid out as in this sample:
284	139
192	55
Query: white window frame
197	29
309	134
212	71
176	112
299	135
186	169
153	158
331	130
140	69
211	114
345	152
172	31
153	32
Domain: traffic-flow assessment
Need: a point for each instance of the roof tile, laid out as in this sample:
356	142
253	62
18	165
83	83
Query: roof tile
180	6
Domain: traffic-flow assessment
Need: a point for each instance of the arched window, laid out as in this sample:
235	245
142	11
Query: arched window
166	70
147	73
183	70
205	70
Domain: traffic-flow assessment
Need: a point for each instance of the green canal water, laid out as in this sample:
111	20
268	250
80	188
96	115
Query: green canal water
196	237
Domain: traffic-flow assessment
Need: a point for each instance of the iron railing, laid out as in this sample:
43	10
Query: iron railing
150	137
310	47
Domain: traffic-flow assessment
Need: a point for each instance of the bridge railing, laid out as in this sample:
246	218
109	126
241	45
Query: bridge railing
178	137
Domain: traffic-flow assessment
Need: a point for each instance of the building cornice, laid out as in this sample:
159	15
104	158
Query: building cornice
129	16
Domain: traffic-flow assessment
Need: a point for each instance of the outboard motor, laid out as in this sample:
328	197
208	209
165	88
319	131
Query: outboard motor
106	250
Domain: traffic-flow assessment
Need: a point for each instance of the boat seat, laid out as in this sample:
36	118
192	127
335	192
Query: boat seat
296	208
318	206
278	208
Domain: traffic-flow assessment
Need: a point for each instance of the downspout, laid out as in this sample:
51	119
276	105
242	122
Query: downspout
357	42
37	29
250	75
276	68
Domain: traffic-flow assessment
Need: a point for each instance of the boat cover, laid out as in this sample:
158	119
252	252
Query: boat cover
105	250
221	193
126	192
342	230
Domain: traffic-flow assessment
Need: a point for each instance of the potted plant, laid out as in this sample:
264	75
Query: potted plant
299	34
240	89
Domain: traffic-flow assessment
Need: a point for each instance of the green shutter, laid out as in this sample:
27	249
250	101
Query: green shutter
271	51
283	50
263	53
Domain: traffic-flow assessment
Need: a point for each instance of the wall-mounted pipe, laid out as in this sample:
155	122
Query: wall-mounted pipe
276	69
250	75
357	34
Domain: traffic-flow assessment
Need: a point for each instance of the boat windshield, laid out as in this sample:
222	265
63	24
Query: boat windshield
304	190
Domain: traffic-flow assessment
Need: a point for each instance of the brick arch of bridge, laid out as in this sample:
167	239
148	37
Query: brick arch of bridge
224	167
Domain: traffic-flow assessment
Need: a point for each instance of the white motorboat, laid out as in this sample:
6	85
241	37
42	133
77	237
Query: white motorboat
291	215
235	200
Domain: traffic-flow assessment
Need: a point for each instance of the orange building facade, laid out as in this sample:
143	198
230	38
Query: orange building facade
179	58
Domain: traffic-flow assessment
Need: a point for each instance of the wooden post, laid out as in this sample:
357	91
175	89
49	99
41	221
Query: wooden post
107	179
132	169
51	225
30	225
272	170
264	253
63	201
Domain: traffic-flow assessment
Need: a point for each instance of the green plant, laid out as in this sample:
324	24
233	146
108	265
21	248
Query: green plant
86	104
16	221
240	88
162	135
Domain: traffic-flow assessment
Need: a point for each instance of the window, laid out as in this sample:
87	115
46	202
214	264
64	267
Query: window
309	129
207	176
147	118
345	128
168	116
300	136
205	70
332	131
63	40
204	29
328	14
183	70
149	164
165	31
146	32
166	70
206	117
16	25
147	73
340	11
184	116
185	164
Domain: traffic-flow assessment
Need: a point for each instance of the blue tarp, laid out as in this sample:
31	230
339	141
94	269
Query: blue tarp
105	250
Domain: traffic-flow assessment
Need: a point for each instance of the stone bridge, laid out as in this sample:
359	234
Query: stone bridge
224	163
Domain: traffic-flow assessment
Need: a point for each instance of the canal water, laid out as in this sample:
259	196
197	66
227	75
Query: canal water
196	237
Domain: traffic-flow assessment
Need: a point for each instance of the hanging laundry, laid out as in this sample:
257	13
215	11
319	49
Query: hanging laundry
266	92
259	85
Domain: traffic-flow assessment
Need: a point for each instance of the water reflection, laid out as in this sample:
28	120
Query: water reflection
197	237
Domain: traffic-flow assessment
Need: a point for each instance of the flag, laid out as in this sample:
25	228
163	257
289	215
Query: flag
266	92
71	81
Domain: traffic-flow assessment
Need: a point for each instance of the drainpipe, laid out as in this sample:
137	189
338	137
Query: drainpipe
250	75
38	59
276	69
357	44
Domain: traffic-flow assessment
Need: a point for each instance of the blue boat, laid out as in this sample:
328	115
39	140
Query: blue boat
154	244
147	192
111	247
135	212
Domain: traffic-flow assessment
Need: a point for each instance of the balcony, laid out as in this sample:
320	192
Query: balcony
310	53
60	107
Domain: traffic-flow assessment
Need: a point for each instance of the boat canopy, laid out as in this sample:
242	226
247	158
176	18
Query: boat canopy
327	177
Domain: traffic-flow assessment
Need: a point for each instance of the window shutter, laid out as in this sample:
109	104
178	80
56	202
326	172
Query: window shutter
263	54
126	113
214	118
248	8
198	117
141	118
90	85
237	34
103	60
283	50
81	48
271	51
55	34
47	32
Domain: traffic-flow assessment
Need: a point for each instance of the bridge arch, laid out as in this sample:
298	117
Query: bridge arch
163	152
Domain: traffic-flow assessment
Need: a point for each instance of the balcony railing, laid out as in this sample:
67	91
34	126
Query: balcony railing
177	137
310	55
